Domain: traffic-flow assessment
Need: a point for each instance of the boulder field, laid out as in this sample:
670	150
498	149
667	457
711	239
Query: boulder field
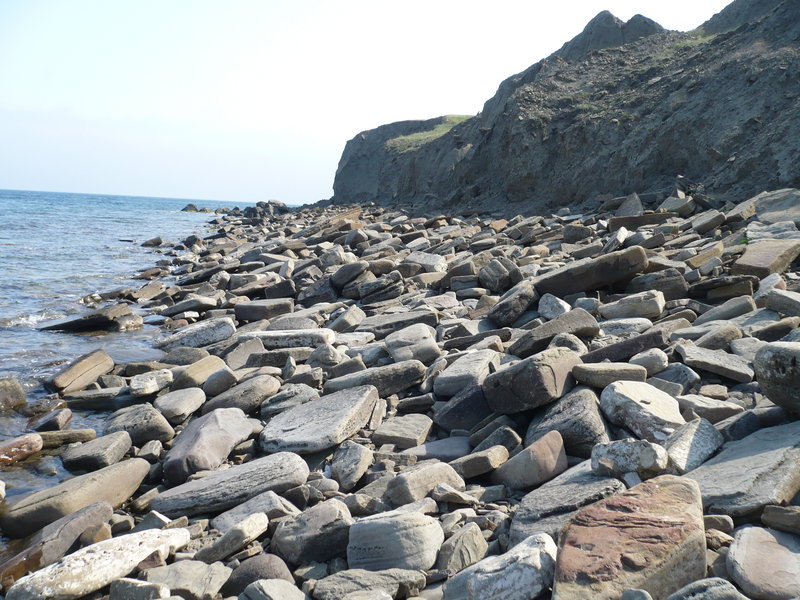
363	403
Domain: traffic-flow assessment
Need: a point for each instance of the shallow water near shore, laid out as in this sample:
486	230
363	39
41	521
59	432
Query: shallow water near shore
56	248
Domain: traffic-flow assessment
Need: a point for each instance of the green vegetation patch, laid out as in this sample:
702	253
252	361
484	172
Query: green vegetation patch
405	143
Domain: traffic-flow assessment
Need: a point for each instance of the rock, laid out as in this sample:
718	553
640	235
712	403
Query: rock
464	548
202	333
269	503
383	325
470	369
524	572
197	373
480	463
403	540
717	362
576	417
551	307
513	304
190	579
416	482
388	380
260	566
98	453
532	382
147	384
256	310
133	589
550	506
350	462
648	305
290	395
602	552
247	396
713	588
20	448
782	301
464	410
777	369
53	541
593	273
204	443
762	468
404	432
95	320
320	424
445	449
692	444
535	464
766	257
577	322
113	484
599	375
94	567
81	372
142	422
615	459
178	405
647	411
319	533
398	583
12	393
234	539
225	489
272	589
416	342
785	518
220	381
765	563
292	338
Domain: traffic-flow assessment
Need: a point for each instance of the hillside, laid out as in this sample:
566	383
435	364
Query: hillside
622	107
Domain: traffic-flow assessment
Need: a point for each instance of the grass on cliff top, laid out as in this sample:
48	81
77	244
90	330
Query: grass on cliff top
404	143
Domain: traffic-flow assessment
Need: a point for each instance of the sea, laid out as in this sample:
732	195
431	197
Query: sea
56	248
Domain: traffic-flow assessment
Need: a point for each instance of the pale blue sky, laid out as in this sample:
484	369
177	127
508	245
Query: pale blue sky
253	99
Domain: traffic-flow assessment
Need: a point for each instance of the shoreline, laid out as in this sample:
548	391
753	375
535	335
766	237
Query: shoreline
352	398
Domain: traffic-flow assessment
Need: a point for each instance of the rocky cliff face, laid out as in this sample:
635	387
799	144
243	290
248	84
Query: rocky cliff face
622	107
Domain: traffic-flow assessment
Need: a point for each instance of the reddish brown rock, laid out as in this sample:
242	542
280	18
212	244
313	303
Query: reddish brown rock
767	257
651	537
19	448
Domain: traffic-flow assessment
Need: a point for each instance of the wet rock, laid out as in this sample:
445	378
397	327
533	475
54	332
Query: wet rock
320	424
95	320
12	393
113	484
226	489
95	566
20	448
404	540
602	553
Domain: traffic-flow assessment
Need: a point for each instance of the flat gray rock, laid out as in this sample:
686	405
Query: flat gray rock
388	379
762	468
247	396
191	579
765	563
551	505
142	422
178	405
392	581
205	443
97	453
223	490
320	424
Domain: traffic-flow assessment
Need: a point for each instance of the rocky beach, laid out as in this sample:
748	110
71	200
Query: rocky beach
357	402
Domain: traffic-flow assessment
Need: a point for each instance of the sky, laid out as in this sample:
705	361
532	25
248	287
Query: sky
248	100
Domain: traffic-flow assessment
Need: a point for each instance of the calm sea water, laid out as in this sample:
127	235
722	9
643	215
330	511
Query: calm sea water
55	249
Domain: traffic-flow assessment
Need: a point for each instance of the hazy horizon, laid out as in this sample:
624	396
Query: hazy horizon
252	100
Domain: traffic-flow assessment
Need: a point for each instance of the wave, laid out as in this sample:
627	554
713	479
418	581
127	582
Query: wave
31	320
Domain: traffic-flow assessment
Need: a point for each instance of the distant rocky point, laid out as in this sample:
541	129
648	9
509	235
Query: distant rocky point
622	107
